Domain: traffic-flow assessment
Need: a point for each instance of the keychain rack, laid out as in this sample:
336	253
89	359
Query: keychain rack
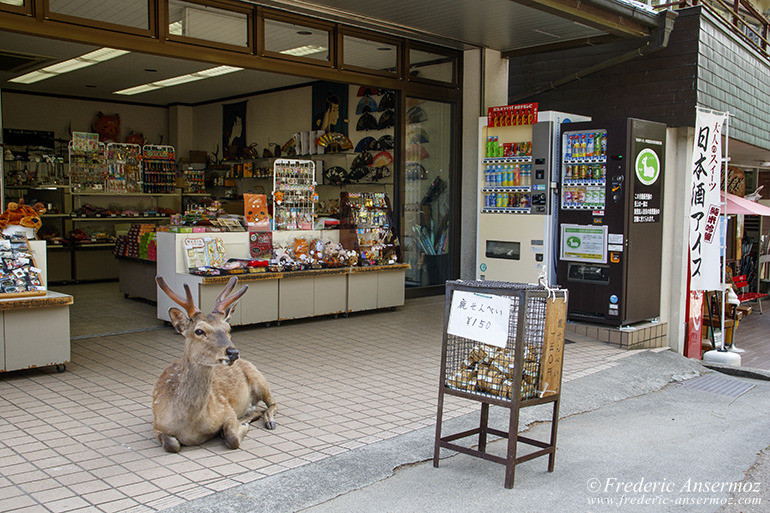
293	194
527	372
124	168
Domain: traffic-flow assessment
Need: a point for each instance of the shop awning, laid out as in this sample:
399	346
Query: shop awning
737	205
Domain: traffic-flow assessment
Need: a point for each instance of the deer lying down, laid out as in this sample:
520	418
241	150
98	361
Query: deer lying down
210	390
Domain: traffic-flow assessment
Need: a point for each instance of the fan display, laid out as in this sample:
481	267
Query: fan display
335	175
387	120
366	104
385	142
416	171
366	144
416	115
334	142
415	152
368	91
417	135
382	159
387	102
367	122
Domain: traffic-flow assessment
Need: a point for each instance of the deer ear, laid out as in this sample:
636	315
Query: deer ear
229	312
179	319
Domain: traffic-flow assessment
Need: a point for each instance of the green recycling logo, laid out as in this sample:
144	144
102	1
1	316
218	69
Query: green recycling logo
647	166
573	242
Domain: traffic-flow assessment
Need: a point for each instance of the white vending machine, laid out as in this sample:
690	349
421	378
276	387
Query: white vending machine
517	222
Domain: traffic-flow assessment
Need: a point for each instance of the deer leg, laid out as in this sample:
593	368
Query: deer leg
169	443
234	431
269	414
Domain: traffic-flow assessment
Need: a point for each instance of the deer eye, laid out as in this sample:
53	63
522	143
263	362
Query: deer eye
200	332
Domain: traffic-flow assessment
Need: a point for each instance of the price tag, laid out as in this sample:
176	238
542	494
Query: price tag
480	317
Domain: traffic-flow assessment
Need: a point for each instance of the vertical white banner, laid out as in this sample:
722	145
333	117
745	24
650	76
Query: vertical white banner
705	201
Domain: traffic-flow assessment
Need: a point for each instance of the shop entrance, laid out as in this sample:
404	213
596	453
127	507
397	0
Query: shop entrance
395	147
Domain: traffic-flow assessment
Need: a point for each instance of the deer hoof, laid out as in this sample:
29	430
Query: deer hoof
170	443
270	425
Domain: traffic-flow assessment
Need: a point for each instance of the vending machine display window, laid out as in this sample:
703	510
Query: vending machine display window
584	170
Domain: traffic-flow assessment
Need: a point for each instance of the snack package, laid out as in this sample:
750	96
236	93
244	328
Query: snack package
255	212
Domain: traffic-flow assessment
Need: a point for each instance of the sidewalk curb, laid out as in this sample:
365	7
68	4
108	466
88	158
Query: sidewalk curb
741	372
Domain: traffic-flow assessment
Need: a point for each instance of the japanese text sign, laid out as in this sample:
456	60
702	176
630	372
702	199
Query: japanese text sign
705	201
480	317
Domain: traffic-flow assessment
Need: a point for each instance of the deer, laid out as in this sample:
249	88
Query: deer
210	390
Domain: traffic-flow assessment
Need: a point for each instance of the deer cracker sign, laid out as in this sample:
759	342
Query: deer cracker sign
210	389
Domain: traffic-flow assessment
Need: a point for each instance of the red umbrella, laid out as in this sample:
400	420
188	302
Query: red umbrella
737	205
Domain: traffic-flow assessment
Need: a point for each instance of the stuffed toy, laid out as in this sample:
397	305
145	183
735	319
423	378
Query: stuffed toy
22	215
108	127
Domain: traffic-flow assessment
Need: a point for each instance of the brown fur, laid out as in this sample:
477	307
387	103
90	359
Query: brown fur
204	392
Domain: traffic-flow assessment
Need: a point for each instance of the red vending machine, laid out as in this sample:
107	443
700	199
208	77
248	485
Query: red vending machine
610	219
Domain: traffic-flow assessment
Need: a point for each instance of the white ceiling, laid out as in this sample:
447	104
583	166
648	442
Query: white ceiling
100	80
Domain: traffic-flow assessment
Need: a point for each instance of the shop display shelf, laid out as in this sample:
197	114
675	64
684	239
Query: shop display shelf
54	215
504	160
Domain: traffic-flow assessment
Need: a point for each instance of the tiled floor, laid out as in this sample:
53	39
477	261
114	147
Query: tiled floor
100	308
753	335
82	440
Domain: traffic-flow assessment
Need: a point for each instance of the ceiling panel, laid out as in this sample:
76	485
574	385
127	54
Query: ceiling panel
100	80
498	24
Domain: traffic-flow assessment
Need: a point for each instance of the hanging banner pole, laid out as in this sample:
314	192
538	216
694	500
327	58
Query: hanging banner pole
723	227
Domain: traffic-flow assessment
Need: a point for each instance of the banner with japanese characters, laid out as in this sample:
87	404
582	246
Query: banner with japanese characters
705	201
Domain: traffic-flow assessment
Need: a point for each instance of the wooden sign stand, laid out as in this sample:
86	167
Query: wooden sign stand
536	341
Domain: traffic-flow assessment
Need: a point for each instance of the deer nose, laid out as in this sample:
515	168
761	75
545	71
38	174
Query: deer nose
232	353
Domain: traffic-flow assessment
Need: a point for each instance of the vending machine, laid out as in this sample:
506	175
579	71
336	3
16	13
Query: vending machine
518	177
610	219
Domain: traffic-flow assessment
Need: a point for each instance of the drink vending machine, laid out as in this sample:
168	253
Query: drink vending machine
610	219
518	177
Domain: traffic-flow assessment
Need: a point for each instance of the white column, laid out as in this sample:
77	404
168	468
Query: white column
676	223
485	84
180	129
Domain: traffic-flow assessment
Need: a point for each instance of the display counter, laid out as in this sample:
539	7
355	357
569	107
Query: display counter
275	296
35	330
137	278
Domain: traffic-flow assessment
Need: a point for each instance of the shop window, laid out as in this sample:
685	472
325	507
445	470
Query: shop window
426	65
295	41
428	209
207	23
129	13
369	54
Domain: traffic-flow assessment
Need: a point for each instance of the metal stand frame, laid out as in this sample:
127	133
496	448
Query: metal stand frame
514	405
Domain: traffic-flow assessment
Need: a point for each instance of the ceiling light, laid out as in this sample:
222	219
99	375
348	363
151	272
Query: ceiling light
175	28
384	48
151	70
304	32
181	79
303	50
89	59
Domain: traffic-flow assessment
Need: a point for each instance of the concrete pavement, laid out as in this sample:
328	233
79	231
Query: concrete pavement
631	438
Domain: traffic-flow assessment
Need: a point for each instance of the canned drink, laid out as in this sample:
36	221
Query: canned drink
567	197
568	148
581	196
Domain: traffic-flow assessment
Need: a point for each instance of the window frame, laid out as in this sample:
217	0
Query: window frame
380	38
152	20
261	51
218	4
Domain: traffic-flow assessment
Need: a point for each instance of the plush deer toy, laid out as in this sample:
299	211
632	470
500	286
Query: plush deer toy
210	390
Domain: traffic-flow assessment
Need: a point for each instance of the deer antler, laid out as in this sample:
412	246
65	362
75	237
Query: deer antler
188	304
222	302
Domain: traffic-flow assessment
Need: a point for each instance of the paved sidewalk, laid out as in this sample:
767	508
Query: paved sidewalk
621	428
82	440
